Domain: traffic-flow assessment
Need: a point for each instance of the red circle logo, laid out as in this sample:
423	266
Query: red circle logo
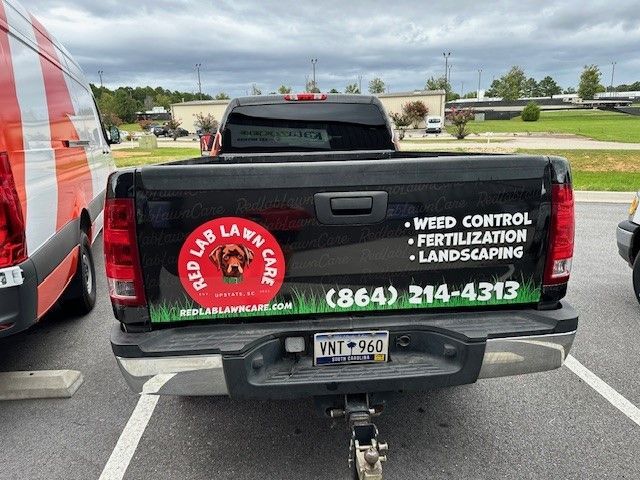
231	261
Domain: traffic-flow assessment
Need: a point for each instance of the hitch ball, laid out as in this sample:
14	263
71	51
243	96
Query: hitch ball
371	456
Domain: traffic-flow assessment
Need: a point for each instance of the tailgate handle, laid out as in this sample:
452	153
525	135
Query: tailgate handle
351	205
343	208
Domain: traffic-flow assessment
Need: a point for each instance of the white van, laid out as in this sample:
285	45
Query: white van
434	124
54	163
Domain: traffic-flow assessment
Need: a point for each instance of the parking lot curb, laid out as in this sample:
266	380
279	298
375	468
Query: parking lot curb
39	384
584	196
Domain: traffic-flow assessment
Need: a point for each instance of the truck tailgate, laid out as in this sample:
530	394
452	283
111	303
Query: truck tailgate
240	241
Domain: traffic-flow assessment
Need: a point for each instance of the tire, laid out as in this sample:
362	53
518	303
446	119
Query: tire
80	296
636	277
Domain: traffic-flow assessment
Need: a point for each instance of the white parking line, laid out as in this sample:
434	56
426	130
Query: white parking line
127	444
129	439
603	388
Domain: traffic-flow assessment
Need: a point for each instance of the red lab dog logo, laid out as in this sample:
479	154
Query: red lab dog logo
232	260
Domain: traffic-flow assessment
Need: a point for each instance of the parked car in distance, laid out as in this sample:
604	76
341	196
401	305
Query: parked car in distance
54	164
160	131
434	124
178	132
200	132
628	239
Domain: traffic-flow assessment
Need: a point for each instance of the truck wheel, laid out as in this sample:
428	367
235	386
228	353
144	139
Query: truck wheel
80	297
636	277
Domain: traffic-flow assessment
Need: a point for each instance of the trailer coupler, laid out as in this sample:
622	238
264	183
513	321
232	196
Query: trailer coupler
366	452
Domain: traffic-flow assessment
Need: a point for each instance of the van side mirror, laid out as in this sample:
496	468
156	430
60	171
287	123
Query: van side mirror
114	135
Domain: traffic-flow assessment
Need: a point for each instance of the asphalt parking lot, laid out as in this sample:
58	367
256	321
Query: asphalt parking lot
549	425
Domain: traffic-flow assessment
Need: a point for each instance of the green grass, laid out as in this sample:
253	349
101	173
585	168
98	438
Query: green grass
596	170
410	142
131	157
130	127
606	126
306	304
610	170
612	182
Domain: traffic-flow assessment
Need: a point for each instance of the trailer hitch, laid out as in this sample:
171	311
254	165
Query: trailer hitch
366	452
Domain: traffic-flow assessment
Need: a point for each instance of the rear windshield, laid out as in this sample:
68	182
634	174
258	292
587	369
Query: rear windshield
312	126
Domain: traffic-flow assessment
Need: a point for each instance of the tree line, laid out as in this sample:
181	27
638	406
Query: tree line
515	84
120	105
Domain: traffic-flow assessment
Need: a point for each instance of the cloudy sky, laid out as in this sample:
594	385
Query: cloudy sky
240	42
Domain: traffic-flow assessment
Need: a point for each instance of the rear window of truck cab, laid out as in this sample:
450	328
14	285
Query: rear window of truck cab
312	126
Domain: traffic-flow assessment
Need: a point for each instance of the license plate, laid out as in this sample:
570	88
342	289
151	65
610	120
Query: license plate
350	347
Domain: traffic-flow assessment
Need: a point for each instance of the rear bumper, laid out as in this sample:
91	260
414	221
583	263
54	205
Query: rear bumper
18	298
625	234
253	364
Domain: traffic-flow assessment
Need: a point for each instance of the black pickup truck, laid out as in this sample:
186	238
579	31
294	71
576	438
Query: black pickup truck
340	275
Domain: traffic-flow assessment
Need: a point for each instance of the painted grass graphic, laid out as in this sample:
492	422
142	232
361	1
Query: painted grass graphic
312	303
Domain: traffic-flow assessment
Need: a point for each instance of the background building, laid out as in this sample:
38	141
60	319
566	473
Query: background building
433	99
186	111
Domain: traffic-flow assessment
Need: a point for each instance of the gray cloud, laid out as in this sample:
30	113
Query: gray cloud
240	42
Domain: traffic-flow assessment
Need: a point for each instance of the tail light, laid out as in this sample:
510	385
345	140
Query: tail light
122	261
13	248
561	235
305	97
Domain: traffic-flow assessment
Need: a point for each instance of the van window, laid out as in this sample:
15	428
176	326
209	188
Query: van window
312	126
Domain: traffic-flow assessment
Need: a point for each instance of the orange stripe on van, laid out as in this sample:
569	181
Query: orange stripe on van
52	287
11	140
75	187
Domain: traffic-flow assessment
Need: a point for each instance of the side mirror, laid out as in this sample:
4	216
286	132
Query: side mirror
114	135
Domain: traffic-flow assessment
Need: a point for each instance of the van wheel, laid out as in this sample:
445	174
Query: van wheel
636	277
80	297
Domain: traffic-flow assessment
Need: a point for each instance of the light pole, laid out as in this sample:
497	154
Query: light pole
360	84
313	65
449	77
462	90
198	66
613	71
446	65
479	80
100	73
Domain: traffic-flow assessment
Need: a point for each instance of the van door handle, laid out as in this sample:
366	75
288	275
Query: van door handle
75	143
357	208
